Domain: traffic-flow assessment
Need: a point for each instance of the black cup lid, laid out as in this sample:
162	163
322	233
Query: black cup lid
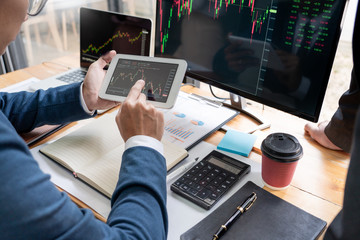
282	147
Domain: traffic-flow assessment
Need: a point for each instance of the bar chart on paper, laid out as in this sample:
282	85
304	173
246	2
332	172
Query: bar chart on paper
192	119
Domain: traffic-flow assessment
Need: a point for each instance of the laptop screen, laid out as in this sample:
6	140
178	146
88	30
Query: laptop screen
102	31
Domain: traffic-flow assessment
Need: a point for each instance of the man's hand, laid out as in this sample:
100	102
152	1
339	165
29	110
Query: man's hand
93	81
137	117
317	132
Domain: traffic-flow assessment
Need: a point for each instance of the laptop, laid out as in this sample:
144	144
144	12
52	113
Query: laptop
100	32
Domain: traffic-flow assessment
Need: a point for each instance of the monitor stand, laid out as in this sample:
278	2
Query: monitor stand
239	103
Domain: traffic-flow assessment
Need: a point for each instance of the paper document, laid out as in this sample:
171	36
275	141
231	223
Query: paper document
192	119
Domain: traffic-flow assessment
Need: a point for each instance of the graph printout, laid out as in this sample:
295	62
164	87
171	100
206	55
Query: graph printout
192	119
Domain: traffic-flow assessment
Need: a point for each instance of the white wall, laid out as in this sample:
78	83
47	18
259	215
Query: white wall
348	25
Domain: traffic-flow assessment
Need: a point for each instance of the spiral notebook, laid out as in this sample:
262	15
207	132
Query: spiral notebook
269	218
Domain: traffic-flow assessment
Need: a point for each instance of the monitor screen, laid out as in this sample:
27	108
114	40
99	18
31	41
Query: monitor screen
276	52
102	31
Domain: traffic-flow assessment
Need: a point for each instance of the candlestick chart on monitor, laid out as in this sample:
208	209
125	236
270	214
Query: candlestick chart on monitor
217	28
254	14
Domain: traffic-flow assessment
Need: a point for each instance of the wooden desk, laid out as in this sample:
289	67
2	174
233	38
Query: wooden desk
318	184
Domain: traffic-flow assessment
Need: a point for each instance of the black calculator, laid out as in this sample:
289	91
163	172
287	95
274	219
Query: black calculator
206	182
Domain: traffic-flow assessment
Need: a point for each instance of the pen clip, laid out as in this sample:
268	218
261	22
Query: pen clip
252	202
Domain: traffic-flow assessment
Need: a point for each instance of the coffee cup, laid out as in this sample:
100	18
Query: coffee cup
280	155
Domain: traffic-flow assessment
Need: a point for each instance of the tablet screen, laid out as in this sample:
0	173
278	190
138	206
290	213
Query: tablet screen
158	78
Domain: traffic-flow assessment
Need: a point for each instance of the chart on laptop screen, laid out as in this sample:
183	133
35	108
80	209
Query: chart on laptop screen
102	31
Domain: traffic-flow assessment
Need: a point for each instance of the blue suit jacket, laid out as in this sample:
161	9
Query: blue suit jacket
30	205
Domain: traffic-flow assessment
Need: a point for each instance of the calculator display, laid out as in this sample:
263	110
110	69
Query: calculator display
224	165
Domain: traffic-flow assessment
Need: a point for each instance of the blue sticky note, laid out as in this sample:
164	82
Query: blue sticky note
237	142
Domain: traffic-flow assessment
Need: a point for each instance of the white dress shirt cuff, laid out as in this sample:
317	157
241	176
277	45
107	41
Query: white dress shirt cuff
83	104
145	141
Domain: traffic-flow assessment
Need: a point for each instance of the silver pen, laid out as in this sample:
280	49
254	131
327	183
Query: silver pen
181	169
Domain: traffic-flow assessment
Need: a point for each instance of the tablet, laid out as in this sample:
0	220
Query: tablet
162	76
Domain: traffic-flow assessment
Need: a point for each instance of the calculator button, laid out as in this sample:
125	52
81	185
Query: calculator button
214	195
220	179
219	190
224	174
208	179
198	187
209	201
177	183
197	167
215	182
195	179
227	182
232	178
203	183
190	183
223	186
211	187
203	194
192	191
200	175
188	175
205	171
213	173
217	171
184	187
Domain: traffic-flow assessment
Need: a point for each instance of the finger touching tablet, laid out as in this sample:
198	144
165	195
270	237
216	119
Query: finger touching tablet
162	76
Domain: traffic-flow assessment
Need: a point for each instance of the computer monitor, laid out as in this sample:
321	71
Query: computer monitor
276	52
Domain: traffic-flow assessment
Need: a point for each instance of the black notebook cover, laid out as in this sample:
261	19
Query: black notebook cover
269	218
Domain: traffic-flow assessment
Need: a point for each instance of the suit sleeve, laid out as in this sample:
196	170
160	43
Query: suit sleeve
26	110
32	208
139	200
341	127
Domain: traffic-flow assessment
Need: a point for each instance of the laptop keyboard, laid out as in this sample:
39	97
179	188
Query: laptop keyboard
73	77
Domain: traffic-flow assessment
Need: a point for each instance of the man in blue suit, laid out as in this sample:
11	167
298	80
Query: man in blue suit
30	205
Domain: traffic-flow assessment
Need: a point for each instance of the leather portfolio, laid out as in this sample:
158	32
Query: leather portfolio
270	217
